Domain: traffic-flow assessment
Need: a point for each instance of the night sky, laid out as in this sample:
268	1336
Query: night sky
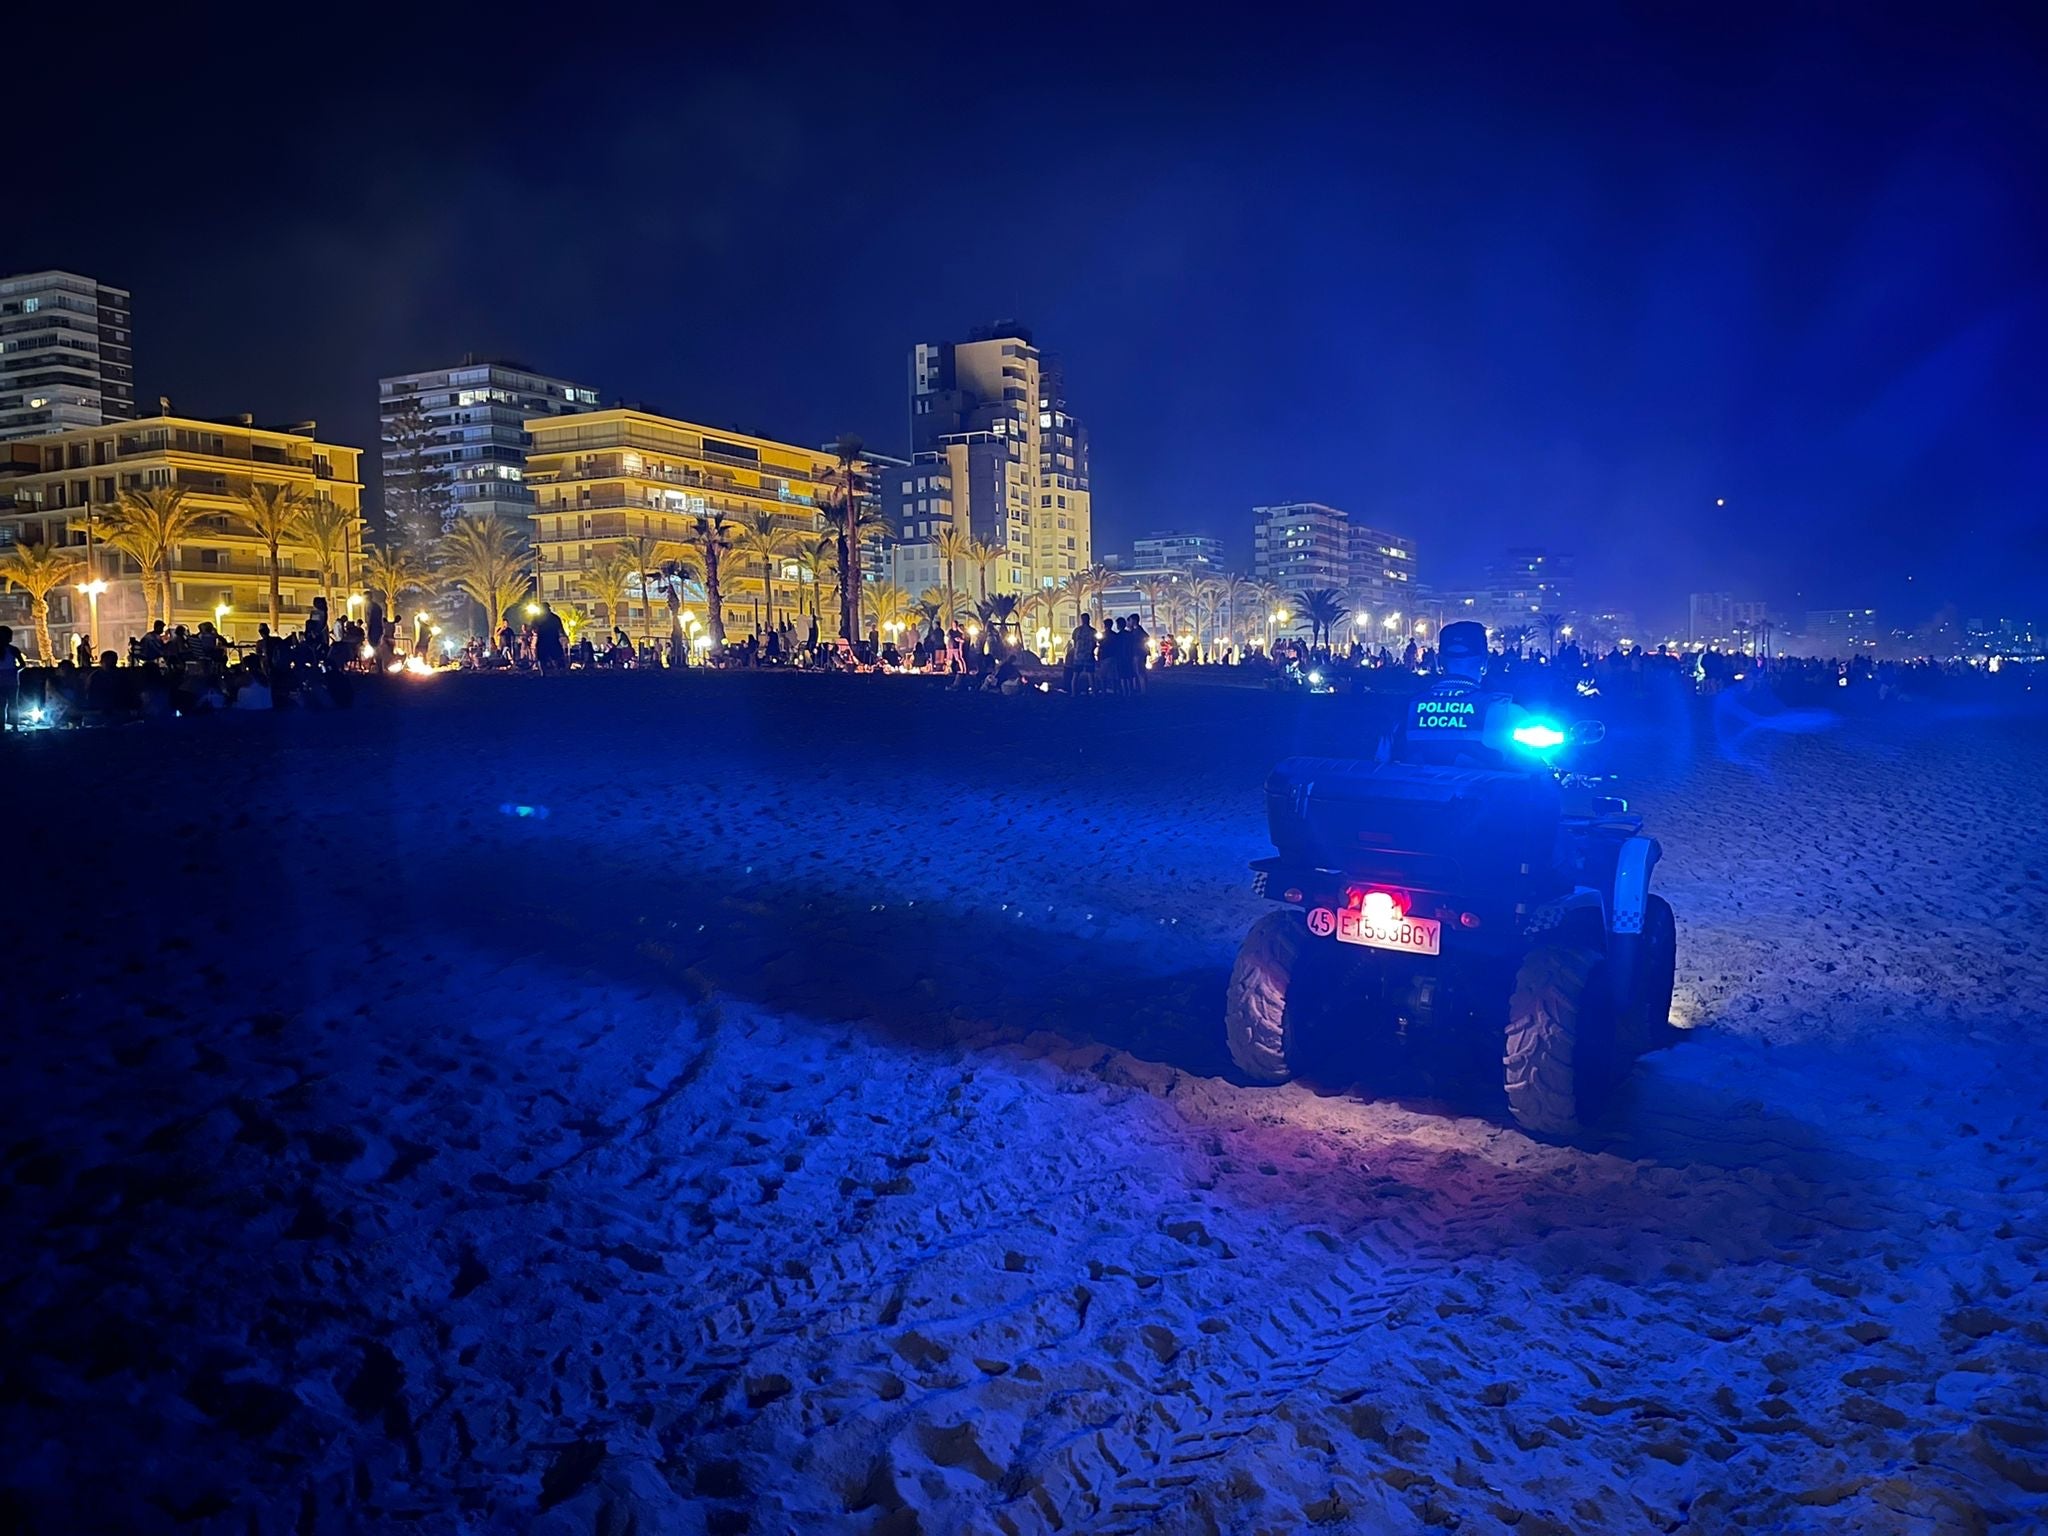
1503	277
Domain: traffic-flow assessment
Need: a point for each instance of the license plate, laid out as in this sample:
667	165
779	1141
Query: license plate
1404	935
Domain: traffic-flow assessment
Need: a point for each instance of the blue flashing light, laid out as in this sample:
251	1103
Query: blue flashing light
1541	736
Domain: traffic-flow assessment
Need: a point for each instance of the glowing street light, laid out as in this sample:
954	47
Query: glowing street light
533	610
92	590
220	618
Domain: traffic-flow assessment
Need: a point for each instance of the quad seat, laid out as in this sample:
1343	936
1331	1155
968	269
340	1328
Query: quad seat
1476	832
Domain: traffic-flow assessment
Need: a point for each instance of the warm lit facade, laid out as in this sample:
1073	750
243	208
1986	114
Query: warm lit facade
59	489
616	474
989	422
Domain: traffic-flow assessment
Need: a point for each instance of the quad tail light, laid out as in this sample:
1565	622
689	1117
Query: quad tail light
1379	906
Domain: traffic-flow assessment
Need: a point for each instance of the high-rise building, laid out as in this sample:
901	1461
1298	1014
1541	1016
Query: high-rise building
1178	551
61	488
917	503
65	354
1382	581
455	441
1524	584
1721	619
1302	546
1064	535
991	419
619	473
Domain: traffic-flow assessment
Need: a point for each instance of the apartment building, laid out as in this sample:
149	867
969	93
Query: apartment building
61	488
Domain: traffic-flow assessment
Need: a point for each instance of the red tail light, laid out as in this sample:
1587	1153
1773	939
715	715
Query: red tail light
1381	906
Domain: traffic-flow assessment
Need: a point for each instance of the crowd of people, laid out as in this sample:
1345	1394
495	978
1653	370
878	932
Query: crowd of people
1636	671
170	671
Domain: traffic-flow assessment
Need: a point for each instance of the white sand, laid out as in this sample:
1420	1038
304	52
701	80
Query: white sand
816	1121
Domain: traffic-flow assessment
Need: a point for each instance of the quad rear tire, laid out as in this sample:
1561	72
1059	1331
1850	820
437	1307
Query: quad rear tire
1648	1022
1562	1058
1278	989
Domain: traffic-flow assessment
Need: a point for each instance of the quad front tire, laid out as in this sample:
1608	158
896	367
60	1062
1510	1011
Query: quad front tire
1562	1057
1277	988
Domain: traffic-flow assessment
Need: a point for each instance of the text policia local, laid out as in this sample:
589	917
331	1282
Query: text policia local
1445	714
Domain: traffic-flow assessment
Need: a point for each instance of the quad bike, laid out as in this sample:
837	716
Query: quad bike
1503	909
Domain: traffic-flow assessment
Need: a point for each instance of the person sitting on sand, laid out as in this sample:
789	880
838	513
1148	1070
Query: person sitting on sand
107	693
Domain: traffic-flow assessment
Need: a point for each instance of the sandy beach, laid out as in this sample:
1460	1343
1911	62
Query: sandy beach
790	1103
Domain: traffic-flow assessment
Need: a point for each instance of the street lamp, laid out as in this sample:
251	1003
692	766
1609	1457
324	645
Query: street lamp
92	590
220	617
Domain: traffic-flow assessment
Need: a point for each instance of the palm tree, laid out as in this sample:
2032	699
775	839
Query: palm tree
887	602
39	570
1238	592
848	480
1088	588
710	539
329	531
273	514
133	543
943	604
653	561
485	560
952	545
1155	590
770	543
1207	593
610	572
1552	623
1517	635
999	613
1323	608
392	569
814	553
982	556
1041	608
148	522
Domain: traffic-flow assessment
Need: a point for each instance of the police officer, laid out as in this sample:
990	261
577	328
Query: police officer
1456	720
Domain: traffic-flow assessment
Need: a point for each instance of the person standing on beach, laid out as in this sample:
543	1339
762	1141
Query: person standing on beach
550	640
10	679
1081	657
1134	641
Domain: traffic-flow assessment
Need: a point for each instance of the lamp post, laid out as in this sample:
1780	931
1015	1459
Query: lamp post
92	590
220	618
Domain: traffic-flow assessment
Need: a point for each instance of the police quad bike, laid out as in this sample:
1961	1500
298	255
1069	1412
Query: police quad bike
1464	886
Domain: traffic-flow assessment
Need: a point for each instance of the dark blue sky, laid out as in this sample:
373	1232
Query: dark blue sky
1539	274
